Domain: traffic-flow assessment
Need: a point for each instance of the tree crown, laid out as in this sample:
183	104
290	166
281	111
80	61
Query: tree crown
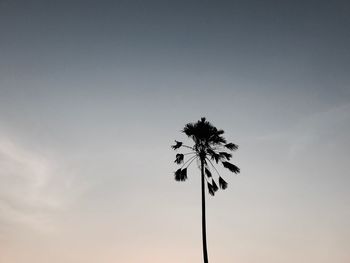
209	145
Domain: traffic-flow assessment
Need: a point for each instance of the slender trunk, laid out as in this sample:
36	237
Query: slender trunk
204	232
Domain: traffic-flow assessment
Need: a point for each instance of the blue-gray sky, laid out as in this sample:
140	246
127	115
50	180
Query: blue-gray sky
93	93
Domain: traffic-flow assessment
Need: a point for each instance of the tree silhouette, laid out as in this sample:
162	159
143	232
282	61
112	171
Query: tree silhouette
209	146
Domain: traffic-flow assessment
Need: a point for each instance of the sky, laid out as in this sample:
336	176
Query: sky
93	93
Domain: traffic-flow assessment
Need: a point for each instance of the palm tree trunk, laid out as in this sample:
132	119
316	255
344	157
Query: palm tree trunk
204	232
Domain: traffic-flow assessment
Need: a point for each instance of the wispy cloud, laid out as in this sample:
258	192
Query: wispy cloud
32	189
322	128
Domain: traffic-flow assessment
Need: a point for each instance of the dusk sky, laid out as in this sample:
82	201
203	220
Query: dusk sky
93	93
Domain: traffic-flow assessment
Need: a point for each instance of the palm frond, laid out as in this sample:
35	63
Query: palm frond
189	129
225	155
217	139
213	167
220	132
211	190
213	155
179	158
178	175
231	146
181	174
207	172
222	183
184	174
215	187
233	168
189	161
177	145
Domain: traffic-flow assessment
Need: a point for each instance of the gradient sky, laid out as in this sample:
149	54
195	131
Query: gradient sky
93	93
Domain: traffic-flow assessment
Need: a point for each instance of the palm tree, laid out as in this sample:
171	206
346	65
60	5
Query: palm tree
209	146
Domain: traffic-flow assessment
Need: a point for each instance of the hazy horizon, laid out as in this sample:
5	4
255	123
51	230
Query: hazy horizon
92	95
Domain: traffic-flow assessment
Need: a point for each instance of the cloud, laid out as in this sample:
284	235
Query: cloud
322	128
32	189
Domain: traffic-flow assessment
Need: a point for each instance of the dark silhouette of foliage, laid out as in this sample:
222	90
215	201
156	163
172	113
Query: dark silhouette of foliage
179	158
209	145
222	183
177	145
207	172
233	168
